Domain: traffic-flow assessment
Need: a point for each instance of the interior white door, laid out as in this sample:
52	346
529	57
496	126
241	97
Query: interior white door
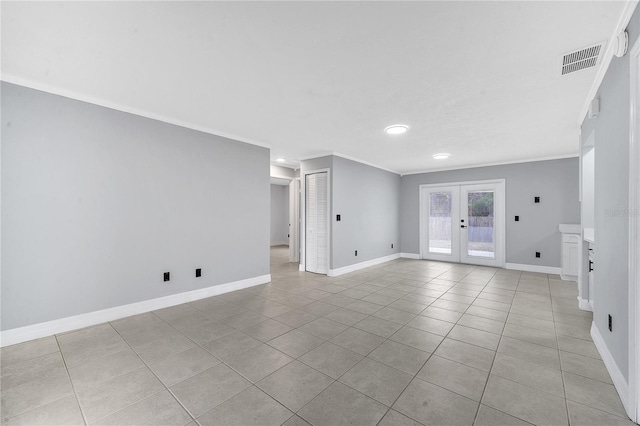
463	223
440	218
316	223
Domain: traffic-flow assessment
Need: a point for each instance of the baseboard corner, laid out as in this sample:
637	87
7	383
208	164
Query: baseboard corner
584	304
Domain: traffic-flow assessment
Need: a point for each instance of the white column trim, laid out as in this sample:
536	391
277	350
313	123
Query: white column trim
633	408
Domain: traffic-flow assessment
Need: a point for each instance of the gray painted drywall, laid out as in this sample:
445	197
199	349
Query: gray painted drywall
611	133
555	182
279	214
368	201
97	204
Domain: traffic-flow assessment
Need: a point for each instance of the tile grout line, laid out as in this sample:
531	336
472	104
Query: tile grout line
73	388
430	355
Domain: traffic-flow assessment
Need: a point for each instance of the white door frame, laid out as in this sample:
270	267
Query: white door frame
294	220
500	207
633	409
303	217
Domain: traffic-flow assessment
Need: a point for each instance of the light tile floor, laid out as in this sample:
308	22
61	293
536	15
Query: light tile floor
402	343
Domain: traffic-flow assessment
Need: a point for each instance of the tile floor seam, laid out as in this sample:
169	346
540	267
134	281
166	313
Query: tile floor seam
293	413
504	378
154	373
73	388
425	362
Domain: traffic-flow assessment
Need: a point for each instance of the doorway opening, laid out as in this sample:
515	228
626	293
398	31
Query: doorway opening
463	222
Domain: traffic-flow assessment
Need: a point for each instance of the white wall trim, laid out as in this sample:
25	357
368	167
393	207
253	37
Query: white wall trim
362	265
634	234
124	108
584	304
534	268
366	163
348	157
410	256
619	381
36	331
607	56
498	163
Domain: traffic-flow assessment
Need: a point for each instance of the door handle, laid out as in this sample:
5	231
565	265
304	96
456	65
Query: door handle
462	226
590	265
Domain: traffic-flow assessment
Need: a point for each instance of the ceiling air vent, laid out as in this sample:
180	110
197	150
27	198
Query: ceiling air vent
581	59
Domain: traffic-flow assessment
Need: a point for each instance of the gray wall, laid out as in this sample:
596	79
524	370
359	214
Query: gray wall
279	214
611	129
368	200
556	182
97	204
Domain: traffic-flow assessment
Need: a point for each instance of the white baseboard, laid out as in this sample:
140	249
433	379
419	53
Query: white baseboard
584	304
569	277
301	268
534	268
49	328
619	381
410	256
362	265
280	243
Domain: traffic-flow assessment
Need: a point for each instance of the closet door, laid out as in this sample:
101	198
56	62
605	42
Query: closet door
317	223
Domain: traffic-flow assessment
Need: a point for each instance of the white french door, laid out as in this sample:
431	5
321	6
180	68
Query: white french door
463	223
317	223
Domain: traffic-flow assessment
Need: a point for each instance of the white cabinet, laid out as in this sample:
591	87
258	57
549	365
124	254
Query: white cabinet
570	252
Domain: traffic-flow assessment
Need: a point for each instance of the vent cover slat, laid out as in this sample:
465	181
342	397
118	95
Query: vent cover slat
581	59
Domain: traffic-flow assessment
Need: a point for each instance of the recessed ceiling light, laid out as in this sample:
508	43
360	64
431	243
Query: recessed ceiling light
441	156
396	129
280	160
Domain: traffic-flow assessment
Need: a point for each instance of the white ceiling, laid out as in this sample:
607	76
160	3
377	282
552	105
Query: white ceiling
479	80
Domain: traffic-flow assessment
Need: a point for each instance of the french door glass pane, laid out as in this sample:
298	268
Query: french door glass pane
480	230
440	222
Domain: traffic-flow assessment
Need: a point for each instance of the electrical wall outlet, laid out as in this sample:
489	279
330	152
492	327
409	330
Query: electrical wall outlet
391	245
198	272
356	252
537	254
167	276
610	323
